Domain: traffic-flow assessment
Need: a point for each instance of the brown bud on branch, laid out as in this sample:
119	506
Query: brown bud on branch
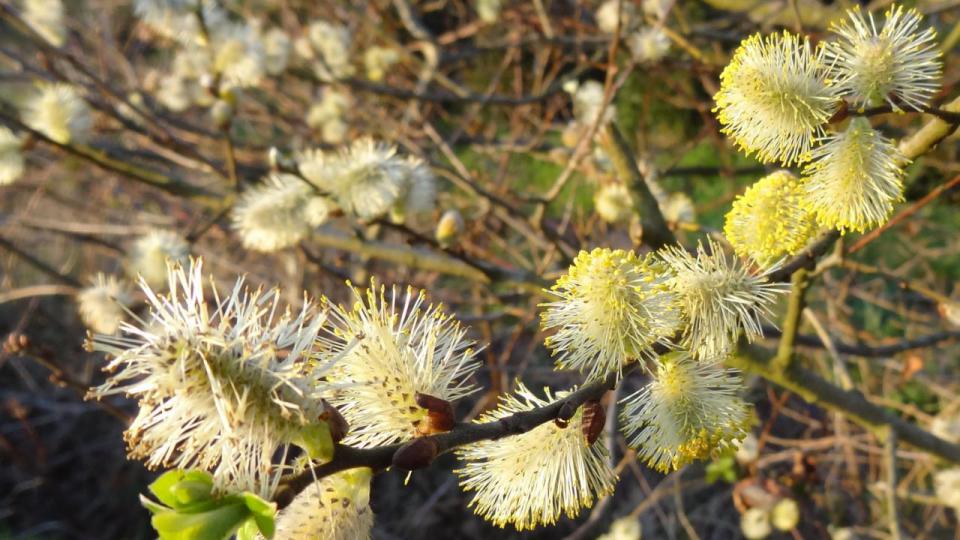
594	419
416	454
440	415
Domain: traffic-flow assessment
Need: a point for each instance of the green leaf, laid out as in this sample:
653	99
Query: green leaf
248	531
190	491
263	512
163	487
153	507
216	524
191	512
180	488
722	468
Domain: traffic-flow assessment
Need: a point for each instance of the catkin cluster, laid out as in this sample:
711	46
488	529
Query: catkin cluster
234	383
783	100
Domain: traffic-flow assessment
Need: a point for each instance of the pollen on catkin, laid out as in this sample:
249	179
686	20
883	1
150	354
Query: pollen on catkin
946	485
774	98
102	304
279	213
769	222
337	507
855	179
58	111
276	48
719	297
329	47
224	385
393	346
419	195
238	54
690	410
11	157
611	307
366	179
897	64
378	60
532	478
45	17
149	255
612	202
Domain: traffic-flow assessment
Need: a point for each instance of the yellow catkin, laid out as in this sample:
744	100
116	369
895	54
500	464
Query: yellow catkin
768	222
774	98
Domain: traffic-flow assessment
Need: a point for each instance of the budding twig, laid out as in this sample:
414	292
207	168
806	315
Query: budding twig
414	453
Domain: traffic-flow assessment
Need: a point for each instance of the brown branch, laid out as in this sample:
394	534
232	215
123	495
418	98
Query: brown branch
806	259
866	351
104	160
814	389
346	457
656	232
844	112
39	265
380	458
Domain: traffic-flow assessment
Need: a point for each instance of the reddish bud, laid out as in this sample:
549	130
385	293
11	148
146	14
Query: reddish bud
440	415
594	419
416	454
338	424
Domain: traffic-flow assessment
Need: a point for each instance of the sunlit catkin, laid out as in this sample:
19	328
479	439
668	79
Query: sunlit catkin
58	111
533	478
769	222
46	18
366	179
898	64
11	157
855	179
279	213
690	410
149	254
610	307
102	304
224	385
393	346
337	507
774	98
720	299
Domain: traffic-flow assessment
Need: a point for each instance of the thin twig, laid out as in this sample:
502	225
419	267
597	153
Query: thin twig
791	321
34	291
890	459
347	457
904	214
853	404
